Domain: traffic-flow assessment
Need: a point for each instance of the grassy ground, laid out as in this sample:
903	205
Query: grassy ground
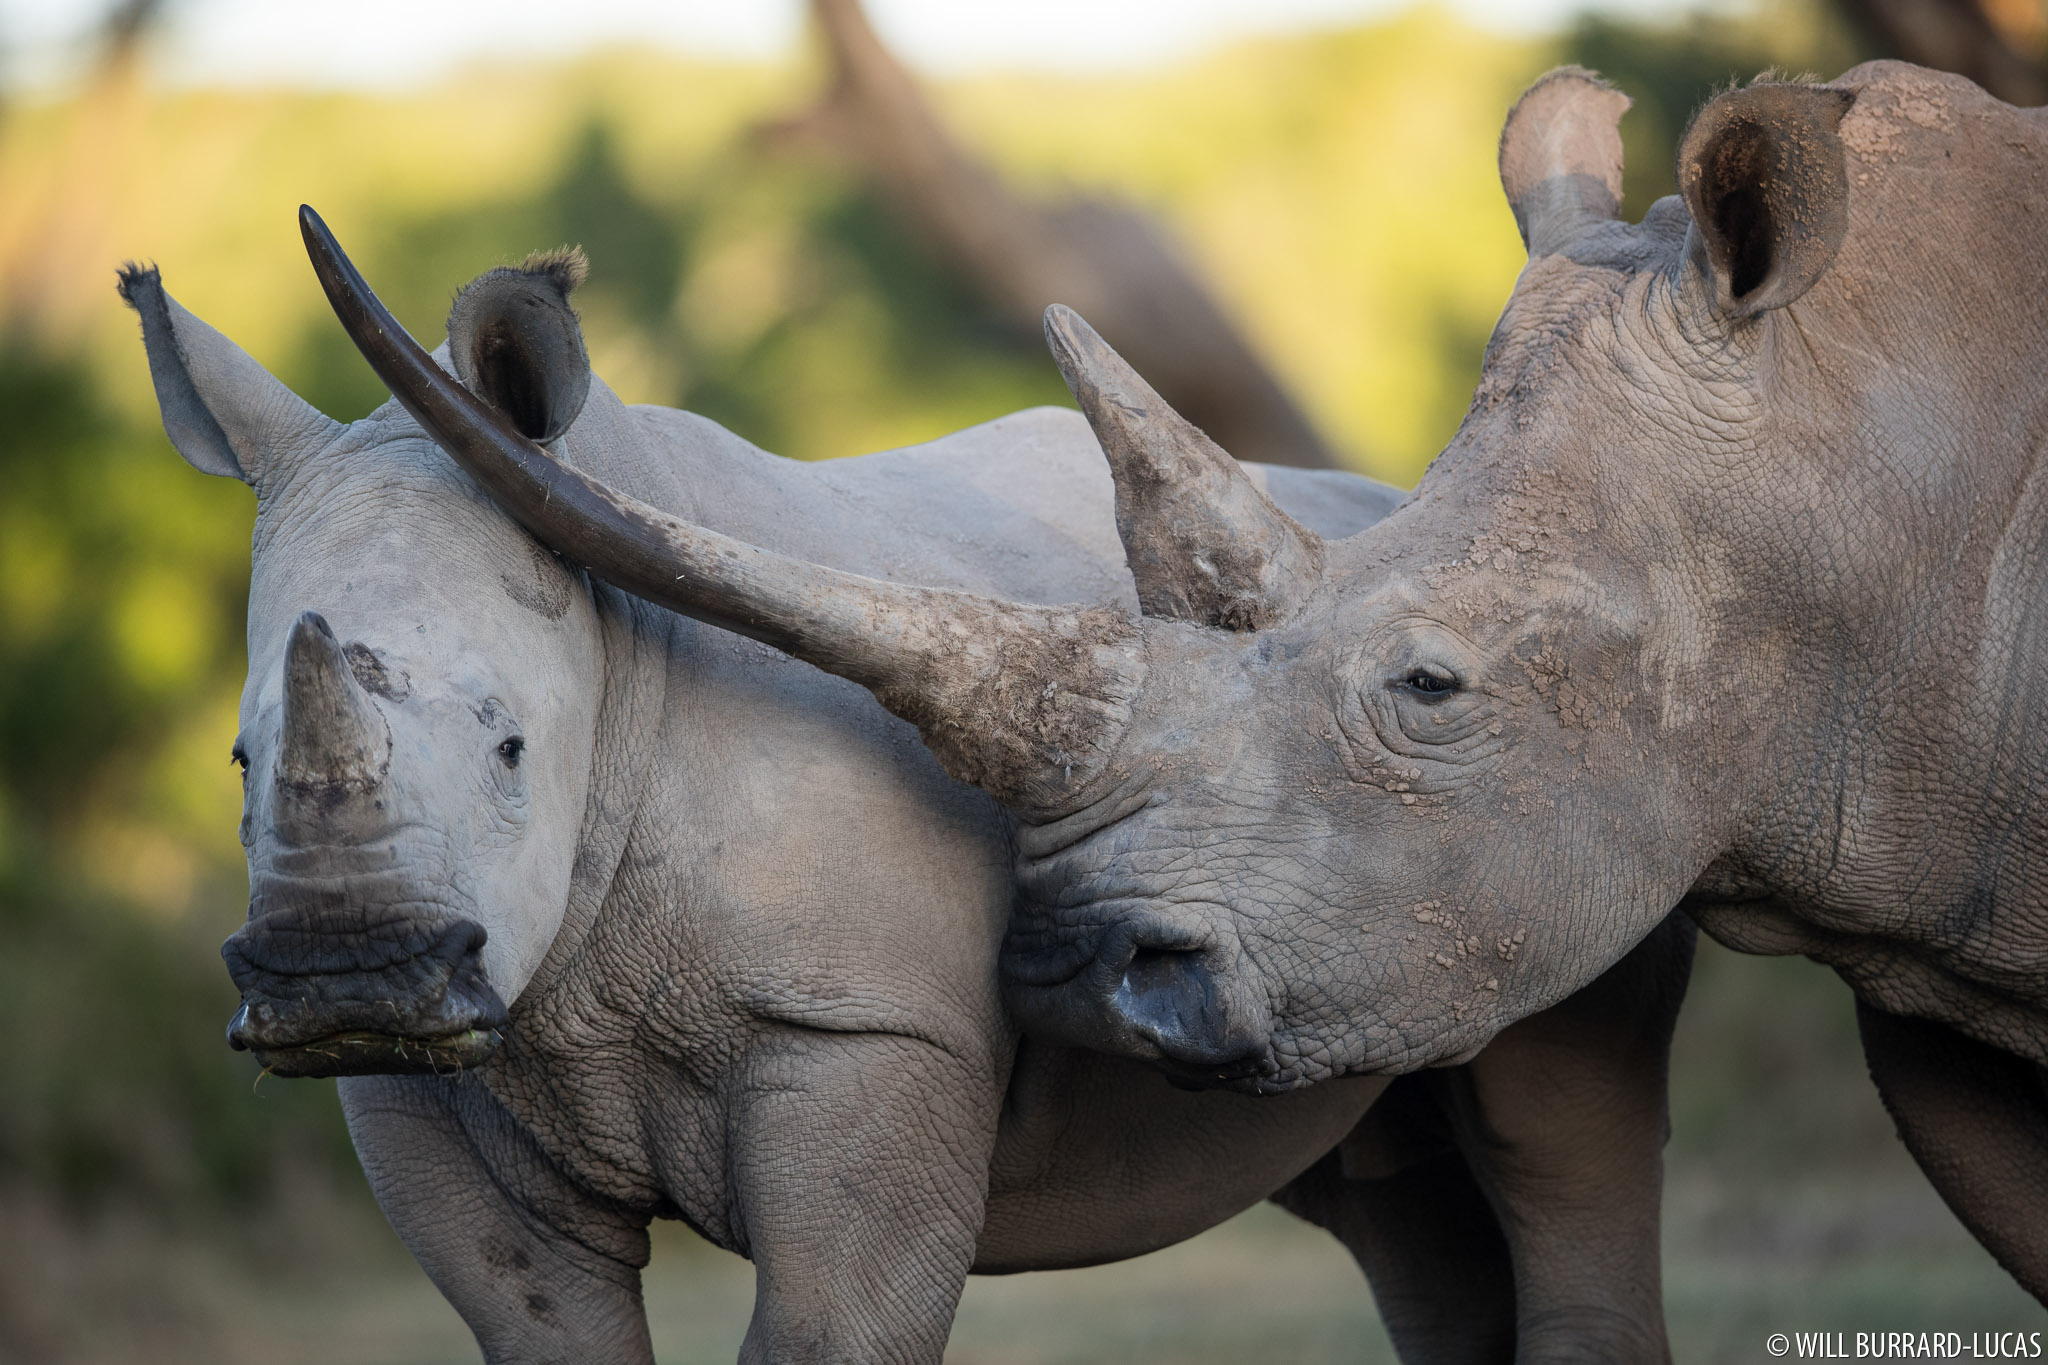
1261	1287
1790	1204
1790	1207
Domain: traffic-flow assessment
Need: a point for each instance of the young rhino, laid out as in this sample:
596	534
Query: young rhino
1728	591
717	939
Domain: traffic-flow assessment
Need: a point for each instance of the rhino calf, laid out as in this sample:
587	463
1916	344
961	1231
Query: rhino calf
603	914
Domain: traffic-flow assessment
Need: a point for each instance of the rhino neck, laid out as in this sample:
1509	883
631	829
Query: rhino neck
1911	814
1896	527
690	467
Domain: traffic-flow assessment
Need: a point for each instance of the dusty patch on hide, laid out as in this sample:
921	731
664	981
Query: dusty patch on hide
540	585
1883	112
1026	709
371	674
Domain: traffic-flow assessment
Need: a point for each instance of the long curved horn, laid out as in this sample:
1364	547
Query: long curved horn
1022	701
1560	157
334	737
1204	544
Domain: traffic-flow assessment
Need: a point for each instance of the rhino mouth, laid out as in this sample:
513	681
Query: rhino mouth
332	986
362	1053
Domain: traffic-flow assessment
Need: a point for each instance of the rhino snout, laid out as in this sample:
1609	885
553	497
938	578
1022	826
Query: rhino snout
401	993
1175	1000
1166	992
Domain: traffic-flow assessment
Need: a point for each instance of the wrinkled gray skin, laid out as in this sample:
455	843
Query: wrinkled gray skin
1734	573
748	930
1729	592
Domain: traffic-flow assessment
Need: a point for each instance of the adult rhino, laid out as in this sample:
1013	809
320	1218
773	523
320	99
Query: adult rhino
715	938
1728	592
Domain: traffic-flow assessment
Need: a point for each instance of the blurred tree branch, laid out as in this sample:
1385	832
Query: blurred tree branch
2000	44
1106	260
124	28
52	232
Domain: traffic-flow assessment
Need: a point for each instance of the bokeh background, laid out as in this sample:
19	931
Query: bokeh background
1322	173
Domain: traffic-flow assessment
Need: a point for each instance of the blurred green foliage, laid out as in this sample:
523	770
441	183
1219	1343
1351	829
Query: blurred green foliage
1337	188
116	1079
121	596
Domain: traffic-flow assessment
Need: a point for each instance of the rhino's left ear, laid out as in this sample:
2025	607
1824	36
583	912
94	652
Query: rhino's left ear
515	343
225	413
1763	171
1560	158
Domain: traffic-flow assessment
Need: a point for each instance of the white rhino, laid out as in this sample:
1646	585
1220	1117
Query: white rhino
604	914
1728	592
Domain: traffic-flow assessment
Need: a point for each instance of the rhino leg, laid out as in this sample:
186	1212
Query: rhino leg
460	1184
1976	1119
1400	1197
1507	1209
860	1167
1563	1119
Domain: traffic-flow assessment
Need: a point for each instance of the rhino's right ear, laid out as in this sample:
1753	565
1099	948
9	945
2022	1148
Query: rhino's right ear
1764	173
515	342
225	413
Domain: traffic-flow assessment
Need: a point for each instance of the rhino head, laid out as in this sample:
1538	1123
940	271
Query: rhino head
416	728
1355	807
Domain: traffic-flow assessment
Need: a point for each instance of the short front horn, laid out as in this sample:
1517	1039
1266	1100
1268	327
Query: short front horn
1023	701
334	736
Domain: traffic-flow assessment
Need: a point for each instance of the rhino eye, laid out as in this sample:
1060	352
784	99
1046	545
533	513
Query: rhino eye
1429	685
240	758
510	751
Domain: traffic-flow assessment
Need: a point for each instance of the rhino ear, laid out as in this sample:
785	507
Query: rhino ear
225	413
515	343
1763	171
1560	157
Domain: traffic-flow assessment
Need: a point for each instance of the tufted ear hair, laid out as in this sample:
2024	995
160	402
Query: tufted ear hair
515	343
225	413
1763	171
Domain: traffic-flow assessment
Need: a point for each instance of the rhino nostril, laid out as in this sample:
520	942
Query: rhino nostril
1173	997
1151	967
1169	993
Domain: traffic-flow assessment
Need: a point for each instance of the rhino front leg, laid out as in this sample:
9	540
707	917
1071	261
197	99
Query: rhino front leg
1563	1118
1976	1119
1402	1200
532	1291
860	1171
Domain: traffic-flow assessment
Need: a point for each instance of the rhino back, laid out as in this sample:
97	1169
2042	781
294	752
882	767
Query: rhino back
798	858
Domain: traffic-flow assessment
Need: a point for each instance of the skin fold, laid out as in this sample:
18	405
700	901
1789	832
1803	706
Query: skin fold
603	914
1727	593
